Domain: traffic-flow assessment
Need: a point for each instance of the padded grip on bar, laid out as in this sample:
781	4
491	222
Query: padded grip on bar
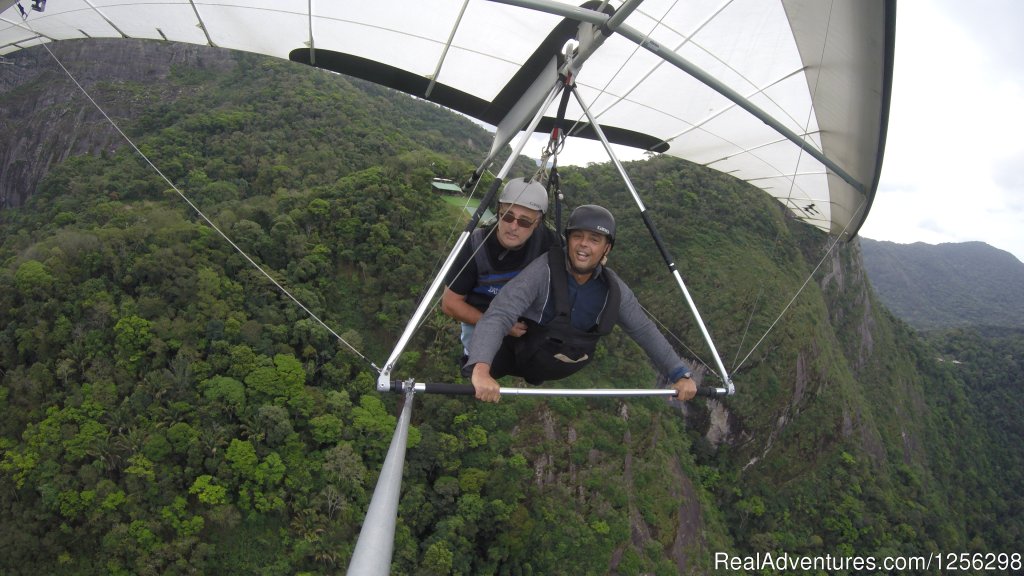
448	388
712	392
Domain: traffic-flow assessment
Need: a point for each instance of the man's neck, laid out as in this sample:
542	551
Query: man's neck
582	279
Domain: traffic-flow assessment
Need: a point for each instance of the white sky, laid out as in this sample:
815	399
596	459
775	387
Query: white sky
954	159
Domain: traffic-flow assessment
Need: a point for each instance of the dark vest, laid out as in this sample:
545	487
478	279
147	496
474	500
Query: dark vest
490	281
558	349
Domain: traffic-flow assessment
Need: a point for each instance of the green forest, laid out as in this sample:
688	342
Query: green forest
167	410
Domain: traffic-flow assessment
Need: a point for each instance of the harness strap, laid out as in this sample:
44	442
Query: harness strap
490	281
559	283
555	144
560	292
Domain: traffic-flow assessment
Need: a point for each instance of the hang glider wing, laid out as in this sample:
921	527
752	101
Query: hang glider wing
789	95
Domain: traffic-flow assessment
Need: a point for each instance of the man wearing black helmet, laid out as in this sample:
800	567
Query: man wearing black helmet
567	300
495	254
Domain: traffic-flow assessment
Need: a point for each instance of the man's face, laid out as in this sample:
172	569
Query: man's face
513	235
586	250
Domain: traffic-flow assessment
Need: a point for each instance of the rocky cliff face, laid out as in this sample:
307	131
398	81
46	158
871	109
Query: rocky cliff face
52	117
821	382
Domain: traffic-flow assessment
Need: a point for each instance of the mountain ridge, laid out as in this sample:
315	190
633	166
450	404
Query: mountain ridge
947	285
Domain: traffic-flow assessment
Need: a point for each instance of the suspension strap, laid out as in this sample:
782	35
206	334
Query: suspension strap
554	188
555	143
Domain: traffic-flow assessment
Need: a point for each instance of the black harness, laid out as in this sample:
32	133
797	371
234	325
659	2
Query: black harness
489	280
558	349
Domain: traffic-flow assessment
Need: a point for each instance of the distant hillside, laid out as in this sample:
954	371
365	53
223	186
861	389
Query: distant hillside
355	124
163	410
948	285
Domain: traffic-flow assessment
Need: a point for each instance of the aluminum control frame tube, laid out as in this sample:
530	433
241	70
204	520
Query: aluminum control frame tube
657	240
384	380
468	390
376	543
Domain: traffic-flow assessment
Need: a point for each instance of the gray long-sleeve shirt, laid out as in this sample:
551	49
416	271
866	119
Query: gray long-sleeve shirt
526	296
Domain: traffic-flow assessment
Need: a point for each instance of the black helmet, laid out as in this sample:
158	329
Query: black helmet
593	218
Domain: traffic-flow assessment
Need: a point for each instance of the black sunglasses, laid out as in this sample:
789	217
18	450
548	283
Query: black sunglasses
523	221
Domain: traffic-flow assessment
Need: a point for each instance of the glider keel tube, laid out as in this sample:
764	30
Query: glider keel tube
468	390
376	543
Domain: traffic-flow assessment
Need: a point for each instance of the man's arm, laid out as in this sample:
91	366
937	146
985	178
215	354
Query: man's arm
455	305
458	284
522	297
487	388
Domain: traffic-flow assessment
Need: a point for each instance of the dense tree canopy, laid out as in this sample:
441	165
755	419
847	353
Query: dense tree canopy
166	410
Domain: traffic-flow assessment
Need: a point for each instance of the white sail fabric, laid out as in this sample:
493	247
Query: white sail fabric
820	69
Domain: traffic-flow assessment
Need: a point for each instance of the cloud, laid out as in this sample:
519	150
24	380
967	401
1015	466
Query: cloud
931	225
952	170
1008	174
995	25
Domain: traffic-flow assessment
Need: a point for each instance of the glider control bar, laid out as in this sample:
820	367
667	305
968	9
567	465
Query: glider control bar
468	390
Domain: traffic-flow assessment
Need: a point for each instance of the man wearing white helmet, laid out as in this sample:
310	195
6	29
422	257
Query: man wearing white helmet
495	254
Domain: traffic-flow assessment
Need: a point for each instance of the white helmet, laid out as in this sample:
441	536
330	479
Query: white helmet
526	193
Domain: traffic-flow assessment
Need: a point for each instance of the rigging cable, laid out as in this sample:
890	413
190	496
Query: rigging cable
804	285
778	234
204	217
551	150
471	257
694	355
